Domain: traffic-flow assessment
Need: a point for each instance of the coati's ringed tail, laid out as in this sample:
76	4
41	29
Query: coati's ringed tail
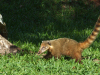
92	37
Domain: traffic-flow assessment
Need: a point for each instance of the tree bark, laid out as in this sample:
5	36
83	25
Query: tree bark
6	47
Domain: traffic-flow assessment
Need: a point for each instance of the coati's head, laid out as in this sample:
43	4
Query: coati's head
45	45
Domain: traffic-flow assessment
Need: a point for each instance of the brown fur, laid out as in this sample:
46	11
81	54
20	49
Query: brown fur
68	47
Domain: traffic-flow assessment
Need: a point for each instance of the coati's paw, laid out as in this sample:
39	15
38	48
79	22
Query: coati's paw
41	55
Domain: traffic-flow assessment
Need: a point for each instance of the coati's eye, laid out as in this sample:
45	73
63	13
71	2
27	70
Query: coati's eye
43	47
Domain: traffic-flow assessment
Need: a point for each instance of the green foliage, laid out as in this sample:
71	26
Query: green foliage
31	21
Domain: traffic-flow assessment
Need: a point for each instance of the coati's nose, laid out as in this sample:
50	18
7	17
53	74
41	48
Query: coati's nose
39	52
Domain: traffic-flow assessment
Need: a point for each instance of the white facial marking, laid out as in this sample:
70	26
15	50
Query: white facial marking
43	50
51	46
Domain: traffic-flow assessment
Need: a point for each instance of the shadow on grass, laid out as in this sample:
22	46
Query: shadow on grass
38	20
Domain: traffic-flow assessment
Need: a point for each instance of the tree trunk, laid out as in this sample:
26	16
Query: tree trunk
5	46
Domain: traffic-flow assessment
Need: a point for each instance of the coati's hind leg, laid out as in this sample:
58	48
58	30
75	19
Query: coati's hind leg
48	55
77	57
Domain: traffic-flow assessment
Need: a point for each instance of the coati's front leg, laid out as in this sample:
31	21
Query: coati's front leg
57	55
48	55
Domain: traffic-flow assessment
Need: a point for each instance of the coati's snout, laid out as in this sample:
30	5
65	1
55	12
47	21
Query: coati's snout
44	47
39	52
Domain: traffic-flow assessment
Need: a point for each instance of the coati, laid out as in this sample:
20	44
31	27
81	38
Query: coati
68	47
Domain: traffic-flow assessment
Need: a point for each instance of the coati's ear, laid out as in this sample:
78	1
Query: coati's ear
49	42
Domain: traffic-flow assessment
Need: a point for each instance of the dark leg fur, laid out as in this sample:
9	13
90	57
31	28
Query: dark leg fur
77	57
48	55
57	56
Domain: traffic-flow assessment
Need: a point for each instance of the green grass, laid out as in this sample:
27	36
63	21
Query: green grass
29	22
